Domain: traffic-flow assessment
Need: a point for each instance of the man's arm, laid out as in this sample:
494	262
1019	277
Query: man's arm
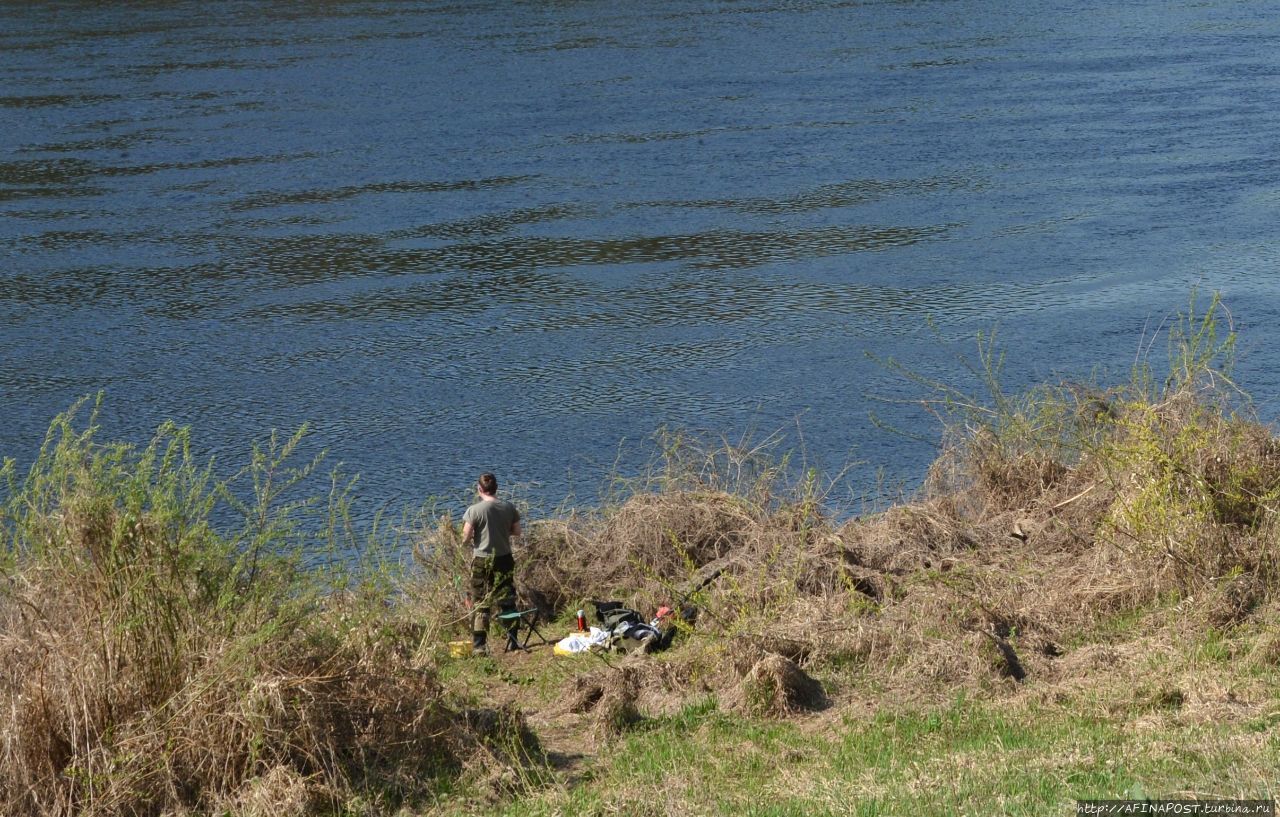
515	527
468	530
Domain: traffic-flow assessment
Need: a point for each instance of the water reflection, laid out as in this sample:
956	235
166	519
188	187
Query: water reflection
496	224
843	194
651	136
37	178
37	101
332	195
116	142
944	62
55	178
577	42
310	259
535	302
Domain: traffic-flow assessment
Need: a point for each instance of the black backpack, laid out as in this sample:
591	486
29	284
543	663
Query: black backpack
612	615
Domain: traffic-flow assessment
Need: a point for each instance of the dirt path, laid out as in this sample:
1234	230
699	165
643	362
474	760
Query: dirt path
520	681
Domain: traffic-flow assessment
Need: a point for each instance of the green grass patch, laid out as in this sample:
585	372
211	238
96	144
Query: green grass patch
967	758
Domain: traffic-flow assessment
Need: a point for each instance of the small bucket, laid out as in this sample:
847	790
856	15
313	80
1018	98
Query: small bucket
459	649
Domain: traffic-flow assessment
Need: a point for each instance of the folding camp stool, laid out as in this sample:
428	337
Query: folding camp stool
526	620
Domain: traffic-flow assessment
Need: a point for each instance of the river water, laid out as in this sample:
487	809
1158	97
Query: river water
464	235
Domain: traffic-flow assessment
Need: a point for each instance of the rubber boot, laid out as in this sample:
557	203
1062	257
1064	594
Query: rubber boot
478	643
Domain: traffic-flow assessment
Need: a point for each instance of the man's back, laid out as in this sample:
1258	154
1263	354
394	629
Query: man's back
492	520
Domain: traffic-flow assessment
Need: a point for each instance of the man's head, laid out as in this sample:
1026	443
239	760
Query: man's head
488	484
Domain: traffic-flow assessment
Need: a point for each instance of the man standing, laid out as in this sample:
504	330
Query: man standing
491	523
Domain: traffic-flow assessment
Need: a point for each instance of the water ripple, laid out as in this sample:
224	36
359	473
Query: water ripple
58	178
843	194
494	224
337	194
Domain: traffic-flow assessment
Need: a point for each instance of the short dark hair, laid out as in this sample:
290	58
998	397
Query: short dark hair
488	483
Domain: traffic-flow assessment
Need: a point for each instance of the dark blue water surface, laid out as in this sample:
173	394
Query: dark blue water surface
524	235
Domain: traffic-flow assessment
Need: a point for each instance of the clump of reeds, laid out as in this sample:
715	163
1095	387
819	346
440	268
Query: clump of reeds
150	664
1051	511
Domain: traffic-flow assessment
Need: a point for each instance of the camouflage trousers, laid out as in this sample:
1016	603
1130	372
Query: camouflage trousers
492	584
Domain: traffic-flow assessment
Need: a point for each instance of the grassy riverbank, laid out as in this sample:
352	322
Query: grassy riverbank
1080	602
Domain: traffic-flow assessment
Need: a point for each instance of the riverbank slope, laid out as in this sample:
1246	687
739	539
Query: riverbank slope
1080	602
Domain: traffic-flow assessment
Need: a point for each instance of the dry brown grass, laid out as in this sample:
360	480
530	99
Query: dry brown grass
270	710
775	687
1046	517
149	666
987	578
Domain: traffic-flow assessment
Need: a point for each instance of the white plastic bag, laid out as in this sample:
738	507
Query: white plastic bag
578	643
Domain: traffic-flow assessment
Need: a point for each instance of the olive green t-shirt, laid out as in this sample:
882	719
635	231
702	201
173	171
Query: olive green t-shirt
492	520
